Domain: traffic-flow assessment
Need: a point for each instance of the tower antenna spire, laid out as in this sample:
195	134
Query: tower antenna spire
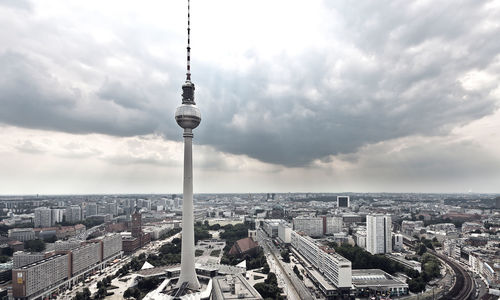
188	74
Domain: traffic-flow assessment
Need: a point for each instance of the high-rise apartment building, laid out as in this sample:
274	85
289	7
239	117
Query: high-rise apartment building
73	214
91	209
378	234
43	217
57	215
112	208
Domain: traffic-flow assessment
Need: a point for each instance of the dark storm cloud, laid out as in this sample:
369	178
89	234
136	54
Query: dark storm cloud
395	71
31	97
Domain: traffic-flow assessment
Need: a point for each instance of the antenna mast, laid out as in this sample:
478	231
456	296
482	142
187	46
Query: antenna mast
188	74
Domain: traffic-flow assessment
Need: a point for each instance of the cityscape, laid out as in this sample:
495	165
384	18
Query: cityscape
325	150
317	246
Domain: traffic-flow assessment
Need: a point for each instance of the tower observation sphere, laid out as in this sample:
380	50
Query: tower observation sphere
188	116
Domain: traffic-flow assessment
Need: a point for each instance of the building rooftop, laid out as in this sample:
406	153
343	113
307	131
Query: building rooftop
233	287
41	261
374	277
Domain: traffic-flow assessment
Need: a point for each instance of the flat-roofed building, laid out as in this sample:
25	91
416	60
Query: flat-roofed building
312	226
21	259
111	245
85	257
343	201
73	214
285	232
22	234
378	234
91	209
333	224
270	226
335	268
31	281
397	242
377	282
43	217
233	287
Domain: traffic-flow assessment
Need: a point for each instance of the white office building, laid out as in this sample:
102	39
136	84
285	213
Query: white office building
285	232
378	234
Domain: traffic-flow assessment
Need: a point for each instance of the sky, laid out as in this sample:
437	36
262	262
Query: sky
295	96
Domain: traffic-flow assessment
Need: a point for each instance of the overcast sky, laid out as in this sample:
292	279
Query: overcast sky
314	96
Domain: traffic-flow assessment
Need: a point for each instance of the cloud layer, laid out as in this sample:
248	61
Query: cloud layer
313	86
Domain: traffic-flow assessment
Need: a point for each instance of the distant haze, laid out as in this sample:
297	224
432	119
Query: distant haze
313	96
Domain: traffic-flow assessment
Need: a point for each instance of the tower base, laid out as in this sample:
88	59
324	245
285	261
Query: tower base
169	289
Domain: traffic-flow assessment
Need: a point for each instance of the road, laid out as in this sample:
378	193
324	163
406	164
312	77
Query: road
294	287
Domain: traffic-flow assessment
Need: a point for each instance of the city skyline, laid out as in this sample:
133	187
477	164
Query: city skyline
382	97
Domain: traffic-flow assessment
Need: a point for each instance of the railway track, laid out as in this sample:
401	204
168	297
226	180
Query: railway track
463	287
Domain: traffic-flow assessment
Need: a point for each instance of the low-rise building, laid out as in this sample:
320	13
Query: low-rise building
233	287
244	246
375	282
270	226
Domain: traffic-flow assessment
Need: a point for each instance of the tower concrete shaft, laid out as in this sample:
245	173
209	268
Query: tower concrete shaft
188	273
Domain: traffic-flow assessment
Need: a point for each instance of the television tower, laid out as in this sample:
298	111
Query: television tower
188	117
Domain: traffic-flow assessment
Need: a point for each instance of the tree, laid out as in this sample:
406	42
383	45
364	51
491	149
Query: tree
101	292
34	245
268	290
271	279
420	249
148	284
285	255
86	293
265	268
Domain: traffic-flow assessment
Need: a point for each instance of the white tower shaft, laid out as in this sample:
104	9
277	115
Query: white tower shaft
188	273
